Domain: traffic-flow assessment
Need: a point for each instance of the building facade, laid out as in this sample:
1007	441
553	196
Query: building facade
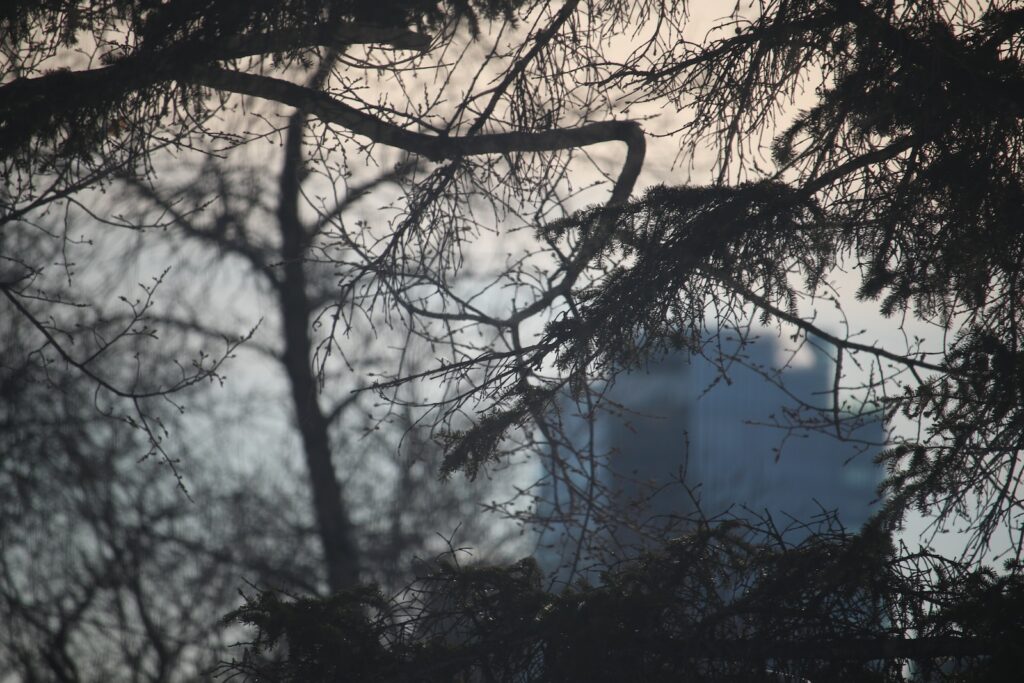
732	438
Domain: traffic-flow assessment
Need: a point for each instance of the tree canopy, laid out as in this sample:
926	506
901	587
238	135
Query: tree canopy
711	606
876	138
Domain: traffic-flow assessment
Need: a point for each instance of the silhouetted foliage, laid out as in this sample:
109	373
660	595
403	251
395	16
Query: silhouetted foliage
84	124
721	604
874	135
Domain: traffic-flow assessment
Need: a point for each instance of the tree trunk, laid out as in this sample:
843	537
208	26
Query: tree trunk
332	517
337	536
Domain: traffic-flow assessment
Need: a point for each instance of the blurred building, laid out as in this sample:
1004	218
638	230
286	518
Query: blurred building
745	438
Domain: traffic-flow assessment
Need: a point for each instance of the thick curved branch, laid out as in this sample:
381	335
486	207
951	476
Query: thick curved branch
434	147
439	147
29	105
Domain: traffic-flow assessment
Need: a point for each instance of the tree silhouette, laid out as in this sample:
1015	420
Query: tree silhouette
877	136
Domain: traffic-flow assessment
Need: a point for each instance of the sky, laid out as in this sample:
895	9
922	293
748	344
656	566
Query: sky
224	287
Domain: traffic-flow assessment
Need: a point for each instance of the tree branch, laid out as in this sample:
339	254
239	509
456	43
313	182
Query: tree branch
434	147
810	328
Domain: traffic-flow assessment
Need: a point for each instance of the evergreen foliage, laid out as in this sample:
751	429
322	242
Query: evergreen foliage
905	164
722	604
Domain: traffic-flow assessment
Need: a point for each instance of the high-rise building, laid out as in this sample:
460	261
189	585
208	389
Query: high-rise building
744	437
